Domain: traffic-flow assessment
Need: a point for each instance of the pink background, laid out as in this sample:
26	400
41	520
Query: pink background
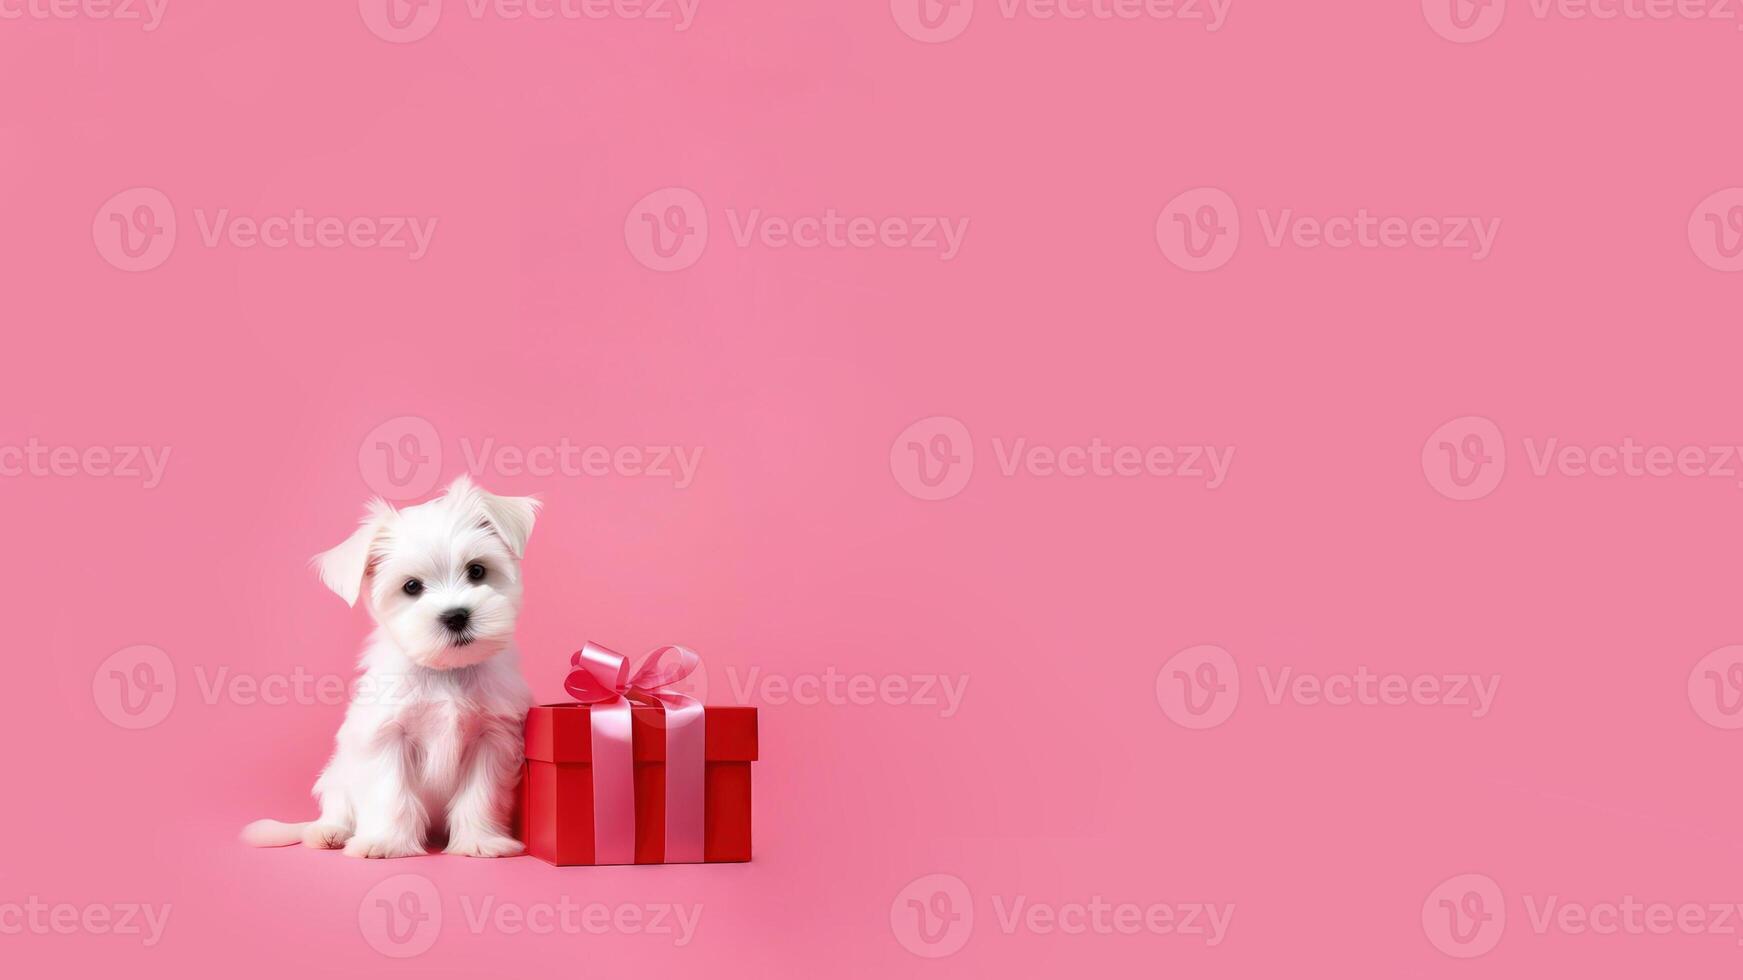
798	549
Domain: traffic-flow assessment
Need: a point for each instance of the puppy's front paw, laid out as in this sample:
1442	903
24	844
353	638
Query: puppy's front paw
377	847
325	835
485	847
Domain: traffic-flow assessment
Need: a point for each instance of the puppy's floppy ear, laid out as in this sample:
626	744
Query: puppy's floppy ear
343	567
511	517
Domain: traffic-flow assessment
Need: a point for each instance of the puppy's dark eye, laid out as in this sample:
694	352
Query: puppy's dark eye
475	572
413	586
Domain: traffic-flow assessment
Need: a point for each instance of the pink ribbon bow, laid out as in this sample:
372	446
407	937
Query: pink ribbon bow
602	679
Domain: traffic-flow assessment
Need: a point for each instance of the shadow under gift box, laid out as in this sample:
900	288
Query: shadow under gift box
555	816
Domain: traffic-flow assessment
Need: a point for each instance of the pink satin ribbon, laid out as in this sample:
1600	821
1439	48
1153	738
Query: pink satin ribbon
602	679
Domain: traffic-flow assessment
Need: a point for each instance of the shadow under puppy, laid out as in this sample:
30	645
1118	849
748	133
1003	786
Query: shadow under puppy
431	745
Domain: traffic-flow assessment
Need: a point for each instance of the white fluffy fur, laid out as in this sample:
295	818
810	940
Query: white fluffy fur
431	745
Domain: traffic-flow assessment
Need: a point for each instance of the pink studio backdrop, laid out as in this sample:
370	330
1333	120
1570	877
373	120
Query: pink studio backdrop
1143	209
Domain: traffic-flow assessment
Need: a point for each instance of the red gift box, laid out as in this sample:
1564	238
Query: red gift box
556	796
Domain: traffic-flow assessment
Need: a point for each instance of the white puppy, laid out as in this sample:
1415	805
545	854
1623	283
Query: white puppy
431	746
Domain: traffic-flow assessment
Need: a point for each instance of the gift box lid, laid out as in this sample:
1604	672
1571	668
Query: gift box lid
562	733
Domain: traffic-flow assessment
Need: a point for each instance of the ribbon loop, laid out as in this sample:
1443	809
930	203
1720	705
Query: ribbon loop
598	675
664	667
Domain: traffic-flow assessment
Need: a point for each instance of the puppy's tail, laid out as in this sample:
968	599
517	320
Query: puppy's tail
272	833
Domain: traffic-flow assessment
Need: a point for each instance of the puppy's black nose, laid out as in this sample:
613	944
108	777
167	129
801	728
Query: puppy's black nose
456	619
